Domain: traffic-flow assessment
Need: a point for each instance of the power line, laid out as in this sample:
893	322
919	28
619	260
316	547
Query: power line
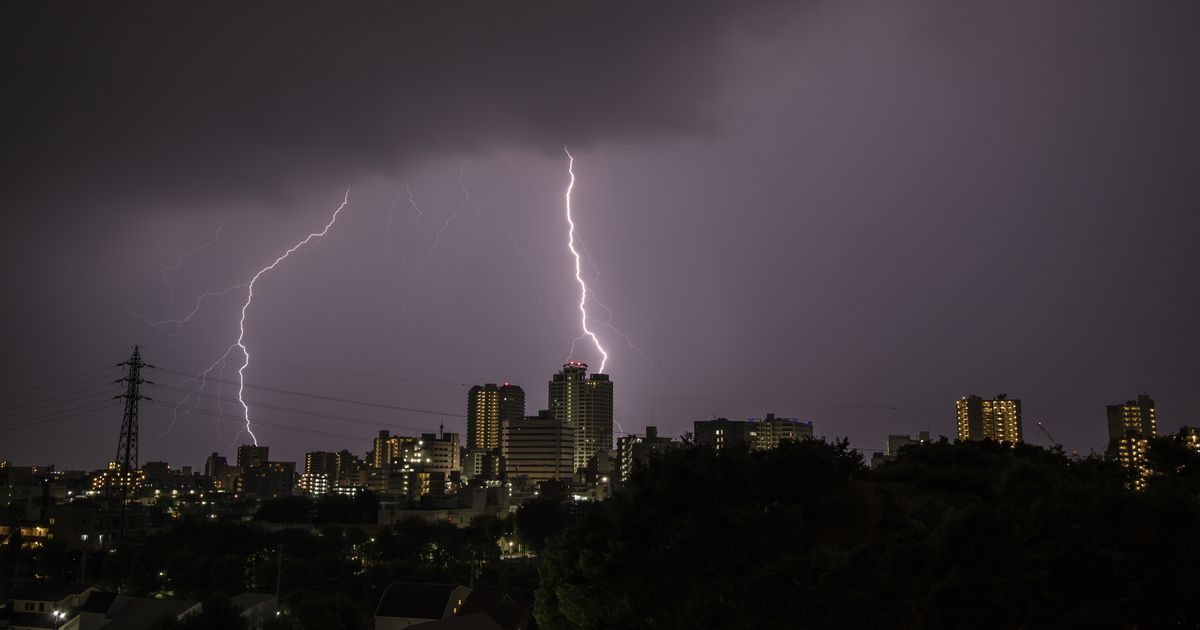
52	401
317	396
52	417
292	410
324	370
275	425
13	394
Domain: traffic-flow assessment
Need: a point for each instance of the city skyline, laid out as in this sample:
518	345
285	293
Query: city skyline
974	418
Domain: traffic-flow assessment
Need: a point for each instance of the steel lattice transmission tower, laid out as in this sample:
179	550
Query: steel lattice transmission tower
127	448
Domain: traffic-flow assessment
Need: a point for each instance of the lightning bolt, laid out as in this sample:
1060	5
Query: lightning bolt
411	280
583	288
241	340
179	264
179	322
413	202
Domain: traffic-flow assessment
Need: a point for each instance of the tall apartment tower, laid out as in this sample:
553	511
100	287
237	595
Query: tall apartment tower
997	419
1130	427
487	407
584	403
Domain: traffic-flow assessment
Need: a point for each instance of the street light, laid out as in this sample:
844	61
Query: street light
58	617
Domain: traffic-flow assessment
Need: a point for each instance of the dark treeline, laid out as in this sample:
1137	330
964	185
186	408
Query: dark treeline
335	562
973	535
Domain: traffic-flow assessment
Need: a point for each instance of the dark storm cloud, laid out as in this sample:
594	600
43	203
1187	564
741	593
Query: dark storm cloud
200	98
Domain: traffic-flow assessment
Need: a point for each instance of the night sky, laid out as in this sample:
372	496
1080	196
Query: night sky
848	212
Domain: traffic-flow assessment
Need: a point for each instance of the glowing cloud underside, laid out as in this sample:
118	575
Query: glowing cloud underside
583	288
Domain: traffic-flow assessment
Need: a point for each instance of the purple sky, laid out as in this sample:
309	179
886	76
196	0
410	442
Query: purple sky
822	210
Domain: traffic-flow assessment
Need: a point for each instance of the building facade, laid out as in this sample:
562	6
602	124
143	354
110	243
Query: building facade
1130	427
585	404
721	433
998	419
770	431
636	450
538	448
487	407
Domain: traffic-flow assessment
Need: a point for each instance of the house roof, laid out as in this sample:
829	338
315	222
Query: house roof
143	612
98	602
415	600
509	614
246	601
474	621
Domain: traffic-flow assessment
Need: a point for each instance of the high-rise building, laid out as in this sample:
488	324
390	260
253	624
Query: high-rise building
321	463
998	419
380	451
1130	427
584	403
251	456
538	448
771	431
487	407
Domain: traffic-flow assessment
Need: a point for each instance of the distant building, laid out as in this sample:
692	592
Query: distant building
114	480
770	431
214	465
441	453
723	432
275	479
487	407
998	419
156	475
585	404
538	448
405	604
894	443
891	448
636	450
250	456
1130	427
1191	437
320	472
486	465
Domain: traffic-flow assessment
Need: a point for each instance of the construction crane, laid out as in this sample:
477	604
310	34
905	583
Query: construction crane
1054	442
1046	432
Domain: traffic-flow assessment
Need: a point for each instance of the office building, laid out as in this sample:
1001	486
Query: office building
585	404
538	448
998	419
1130	427
487	407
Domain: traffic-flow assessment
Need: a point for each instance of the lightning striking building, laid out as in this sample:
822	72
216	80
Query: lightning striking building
998	419
488	406
1130	427
584	403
